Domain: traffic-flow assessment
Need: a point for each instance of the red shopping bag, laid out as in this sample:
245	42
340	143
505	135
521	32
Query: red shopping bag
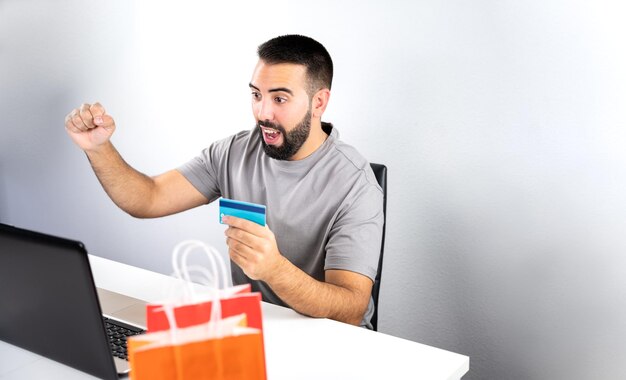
195	307
234	301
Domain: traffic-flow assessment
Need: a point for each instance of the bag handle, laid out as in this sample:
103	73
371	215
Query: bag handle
182	271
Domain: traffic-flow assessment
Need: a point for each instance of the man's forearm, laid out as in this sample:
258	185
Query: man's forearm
315	298
129	189
343	295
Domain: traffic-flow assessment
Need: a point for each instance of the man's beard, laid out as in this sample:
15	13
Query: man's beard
292	141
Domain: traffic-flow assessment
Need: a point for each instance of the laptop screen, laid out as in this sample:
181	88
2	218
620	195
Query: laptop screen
48	301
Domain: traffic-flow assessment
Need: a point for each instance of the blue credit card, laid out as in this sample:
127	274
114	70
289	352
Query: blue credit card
245	210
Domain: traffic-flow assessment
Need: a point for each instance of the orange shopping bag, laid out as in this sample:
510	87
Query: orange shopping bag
215	335
234	353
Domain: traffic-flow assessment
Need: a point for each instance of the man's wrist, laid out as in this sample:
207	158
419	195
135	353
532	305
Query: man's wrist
100	150
279	271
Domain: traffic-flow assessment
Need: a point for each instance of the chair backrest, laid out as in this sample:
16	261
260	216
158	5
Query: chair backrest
380	171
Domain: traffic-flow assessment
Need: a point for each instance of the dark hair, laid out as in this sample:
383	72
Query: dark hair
304	51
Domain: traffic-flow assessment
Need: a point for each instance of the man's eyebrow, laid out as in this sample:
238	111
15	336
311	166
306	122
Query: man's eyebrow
277	89
281	89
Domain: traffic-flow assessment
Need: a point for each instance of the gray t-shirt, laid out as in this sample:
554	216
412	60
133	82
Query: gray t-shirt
326	210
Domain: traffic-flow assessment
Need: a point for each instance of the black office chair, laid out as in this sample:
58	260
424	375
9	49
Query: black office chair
380	171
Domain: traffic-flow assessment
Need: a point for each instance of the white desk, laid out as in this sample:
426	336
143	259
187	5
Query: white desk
296	347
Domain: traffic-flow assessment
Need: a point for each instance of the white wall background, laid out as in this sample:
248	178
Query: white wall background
503	124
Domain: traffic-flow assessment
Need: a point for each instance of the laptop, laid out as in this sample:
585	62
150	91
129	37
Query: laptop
49	304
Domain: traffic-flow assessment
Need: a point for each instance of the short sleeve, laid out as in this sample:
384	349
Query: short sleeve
203	171
355	239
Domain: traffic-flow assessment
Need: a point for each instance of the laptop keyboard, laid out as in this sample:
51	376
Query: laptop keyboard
117	332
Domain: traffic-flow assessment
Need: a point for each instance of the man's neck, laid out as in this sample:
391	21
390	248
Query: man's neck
316	138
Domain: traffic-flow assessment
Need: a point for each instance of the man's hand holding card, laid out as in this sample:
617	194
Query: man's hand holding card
251	244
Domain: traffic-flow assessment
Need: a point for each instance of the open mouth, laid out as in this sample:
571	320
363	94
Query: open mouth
271	136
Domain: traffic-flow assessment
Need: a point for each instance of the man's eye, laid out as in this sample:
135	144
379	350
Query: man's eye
256	95
280	100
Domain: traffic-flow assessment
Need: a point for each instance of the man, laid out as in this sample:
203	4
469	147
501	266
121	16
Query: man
319	251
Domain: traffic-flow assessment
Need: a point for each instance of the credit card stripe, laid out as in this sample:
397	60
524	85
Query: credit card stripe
244	207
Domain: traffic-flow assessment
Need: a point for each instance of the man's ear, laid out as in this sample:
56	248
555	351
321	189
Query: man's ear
319	102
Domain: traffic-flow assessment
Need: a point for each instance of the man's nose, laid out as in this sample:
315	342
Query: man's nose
265	110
